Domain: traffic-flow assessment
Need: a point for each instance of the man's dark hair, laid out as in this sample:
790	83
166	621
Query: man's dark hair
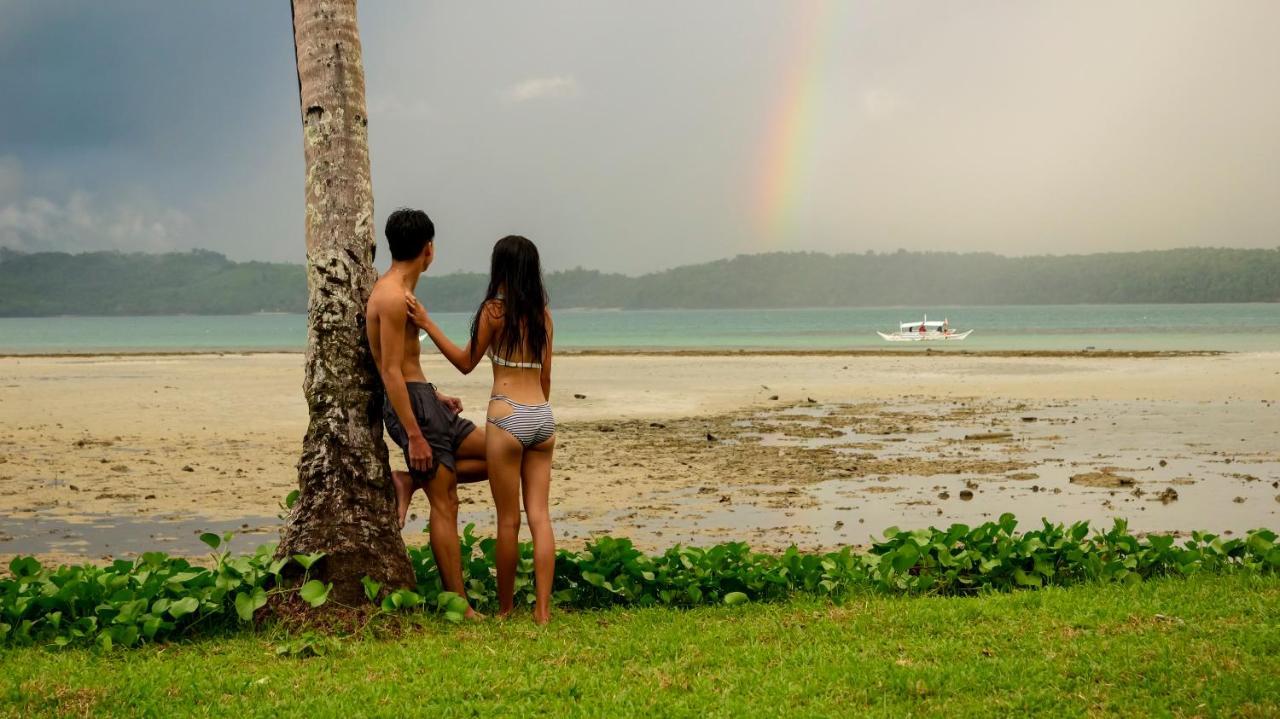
408	232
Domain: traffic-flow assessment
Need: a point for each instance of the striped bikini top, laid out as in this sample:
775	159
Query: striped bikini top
504	362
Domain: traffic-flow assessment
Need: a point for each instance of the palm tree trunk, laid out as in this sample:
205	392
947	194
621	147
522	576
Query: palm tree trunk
346	503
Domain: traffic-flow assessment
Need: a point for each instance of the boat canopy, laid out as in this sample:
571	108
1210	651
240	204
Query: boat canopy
916	325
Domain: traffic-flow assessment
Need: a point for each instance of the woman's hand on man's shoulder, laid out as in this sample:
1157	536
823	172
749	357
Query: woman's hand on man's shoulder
417	313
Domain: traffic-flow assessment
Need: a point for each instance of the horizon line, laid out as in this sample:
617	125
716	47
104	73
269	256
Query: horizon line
579	268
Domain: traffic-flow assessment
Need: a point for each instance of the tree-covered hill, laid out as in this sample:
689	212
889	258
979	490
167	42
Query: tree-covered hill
203	282
112	283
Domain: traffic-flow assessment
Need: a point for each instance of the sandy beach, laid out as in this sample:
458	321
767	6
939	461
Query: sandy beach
108	456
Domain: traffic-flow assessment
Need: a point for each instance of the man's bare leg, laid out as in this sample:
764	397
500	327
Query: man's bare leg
403	482
471	459
472	470
442	492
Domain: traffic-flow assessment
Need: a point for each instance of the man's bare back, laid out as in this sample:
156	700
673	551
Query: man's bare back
386	312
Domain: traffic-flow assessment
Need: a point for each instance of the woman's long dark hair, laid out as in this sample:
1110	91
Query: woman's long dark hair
515	279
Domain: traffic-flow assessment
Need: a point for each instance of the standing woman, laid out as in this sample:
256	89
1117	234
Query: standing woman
513	326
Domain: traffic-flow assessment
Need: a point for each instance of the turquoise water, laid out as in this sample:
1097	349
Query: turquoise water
1229	327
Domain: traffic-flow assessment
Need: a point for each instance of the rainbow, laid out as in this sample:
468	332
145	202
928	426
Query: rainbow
788	148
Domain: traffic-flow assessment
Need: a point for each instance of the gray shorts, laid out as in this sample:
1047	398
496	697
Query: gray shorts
443	429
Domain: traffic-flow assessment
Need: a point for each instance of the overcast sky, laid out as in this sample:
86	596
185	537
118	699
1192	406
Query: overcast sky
638	136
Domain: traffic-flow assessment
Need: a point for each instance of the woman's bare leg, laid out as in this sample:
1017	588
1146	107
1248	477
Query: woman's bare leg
536	482
503	454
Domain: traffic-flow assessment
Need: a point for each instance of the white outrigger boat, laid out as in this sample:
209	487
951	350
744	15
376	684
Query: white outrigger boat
925	331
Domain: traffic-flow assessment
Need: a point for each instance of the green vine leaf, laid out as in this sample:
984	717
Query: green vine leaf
315	592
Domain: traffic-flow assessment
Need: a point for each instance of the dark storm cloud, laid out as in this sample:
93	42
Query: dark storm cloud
632	136
147	111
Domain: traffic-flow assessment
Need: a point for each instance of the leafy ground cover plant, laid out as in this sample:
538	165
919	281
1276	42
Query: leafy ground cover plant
157	597
151	598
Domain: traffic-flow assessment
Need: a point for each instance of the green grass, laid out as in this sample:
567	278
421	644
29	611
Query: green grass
1202	646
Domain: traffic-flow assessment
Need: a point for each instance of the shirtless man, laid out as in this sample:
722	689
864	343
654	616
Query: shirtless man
440	447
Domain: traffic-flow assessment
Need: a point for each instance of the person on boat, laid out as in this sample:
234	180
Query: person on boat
441	448
922	330
514	327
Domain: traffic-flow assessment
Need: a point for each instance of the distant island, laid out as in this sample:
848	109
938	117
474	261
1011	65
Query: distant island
203	282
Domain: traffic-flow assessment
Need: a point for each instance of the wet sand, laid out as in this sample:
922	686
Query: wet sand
108	456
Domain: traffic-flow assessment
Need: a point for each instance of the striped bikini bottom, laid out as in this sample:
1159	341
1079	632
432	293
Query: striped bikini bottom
531	424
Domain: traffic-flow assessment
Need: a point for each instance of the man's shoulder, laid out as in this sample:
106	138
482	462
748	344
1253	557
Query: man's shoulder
384	280
384	292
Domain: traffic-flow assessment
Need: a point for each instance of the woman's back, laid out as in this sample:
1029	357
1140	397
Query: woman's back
518	375
512	325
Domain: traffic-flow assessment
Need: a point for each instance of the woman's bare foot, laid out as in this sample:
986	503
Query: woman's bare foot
473	615
403	482
542	617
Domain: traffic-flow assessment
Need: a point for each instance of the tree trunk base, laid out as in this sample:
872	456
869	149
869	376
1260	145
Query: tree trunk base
349	516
